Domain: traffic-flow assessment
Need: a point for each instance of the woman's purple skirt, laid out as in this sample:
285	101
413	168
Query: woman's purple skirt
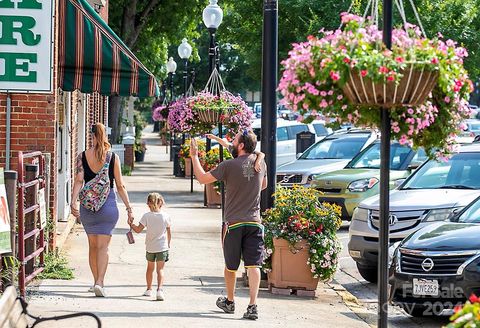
102	222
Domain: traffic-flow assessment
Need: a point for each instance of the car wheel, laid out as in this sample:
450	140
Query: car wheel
415	310
368	273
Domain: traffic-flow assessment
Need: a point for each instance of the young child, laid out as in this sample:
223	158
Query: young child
157	241
228	146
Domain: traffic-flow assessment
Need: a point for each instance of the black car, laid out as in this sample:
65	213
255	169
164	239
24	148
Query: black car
438	266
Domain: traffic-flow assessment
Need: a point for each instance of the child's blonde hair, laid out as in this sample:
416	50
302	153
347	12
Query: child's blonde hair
155	200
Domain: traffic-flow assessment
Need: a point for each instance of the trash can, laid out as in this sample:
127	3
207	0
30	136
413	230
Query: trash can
177	170
304	140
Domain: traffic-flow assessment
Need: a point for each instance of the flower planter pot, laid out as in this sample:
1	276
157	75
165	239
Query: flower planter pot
290	270
139	156
188	167
213	197
412	90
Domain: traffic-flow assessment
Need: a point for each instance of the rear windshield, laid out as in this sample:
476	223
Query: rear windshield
339	148
462	171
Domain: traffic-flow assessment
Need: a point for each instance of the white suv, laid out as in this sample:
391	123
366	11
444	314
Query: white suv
287	136
431	193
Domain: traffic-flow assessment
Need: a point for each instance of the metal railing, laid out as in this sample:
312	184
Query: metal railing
27	239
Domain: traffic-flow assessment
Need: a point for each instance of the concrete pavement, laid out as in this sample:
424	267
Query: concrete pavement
194	274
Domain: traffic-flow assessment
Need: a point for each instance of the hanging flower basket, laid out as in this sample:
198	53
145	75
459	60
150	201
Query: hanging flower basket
349	75
210	115
160	113
412	89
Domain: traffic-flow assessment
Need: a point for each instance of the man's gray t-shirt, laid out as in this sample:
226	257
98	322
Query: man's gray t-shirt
242	187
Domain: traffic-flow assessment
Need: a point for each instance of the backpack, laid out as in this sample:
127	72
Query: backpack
95	192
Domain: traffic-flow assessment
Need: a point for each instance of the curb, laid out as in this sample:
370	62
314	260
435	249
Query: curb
352	302
62	236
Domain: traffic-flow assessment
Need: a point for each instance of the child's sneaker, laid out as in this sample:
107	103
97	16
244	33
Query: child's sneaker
148	293
251	313
226	307
160	295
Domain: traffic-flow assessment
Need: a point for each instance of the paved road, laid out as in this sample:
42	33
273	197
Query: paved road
366	293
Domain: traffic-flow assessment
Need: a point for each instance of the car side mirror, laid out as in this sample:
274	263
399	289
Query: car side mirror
454	216
398	182
298	155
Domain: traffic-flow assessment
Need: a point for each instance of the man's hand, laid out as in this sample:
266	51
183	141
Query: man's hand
193	148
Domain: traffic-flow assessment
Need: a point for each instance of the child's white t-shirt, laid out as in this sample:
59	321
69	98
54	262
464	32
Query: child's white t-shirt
156	224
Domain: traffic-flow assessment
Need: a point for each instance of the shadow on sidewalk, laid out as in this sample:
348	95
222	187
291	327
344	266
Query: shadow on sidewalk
203	315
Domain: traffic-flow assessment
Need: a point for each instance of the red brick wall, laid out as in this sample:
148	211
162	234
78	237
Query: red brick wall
33	128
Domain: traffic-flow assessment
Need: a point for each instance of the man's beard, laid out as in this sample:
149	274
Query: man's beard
234	151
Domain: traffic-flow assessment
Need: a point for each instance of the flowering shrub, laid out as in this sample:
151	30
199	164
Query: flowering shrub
299	215
317	70
211	161
466	316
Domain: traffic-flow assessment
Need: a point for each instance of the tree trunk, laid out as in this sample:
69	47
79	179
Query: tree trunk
133	23
114	113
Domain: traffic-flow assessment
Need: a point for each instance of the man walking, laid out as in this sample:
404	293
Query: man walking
242	231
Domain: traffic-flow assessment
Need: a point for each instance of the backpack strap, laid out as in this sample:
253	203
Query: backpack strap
107	160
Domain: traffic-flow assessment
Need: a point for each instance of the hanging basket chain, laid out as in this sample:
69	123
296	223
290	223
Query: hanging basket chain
215	83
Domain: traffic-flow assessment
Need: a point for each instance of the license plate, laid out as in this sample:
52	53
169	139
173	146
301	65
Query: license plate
425	287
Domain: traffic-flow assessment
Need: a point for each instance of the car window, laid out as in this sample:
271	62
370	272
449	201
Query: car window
419	158
295	129
338	148
282	134
473	126
472	213
320	129
370	158
462	171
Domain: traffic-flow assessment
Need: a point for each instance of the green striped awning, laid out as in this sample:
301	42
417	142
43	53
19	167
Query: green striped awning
92	58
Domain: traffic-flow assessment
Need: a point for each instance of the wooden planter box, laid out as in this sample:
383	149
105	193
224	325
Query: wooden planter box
188	167
412	90
213	197
290	270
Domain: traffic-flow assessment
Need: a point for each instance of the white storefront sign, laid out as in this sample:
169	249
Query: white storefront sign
26	56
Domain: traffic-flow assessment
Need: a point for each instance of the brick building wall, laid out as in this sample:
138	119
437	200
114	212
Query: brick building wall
33	128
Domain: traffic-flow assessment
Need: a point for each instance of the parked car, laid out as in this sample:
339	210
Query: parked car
359	179
431	193
329	154
438	266
287	136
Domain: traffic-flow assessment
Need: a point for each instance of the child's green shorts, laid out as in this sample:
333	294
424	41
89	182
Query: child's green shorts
155	257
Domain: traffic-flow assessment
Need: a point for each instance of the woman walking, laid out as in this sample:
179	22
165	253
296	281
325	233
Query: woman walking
98	223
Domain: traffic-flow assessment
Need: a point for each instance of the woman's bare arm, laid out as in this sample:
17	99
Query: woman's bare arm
122	191
77	186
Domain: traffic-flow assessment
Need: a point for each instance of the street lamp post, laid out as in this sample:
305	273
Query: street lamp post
269	97
385	127
171	68
212	18
184	52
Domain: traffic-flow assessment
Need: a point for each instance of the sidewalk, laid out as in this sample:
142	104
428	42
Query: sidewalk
194	274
